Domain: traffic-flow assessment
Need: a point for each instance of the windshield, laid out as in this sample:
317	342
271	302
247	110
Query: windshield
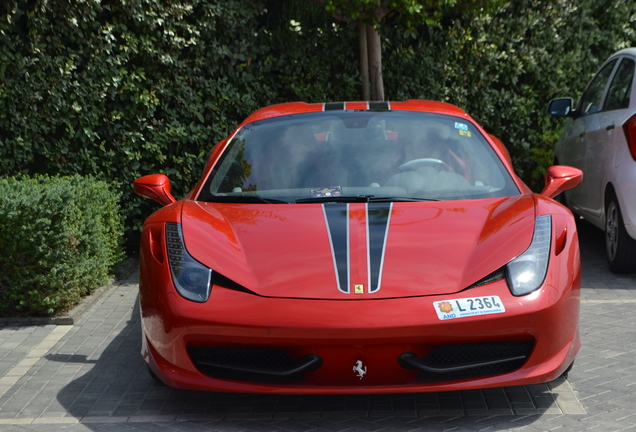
357	155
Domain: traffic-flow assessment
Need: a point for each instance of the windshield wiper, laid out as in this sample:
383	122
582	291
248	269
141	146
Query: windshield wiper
359	198
400	199
334	199
244	199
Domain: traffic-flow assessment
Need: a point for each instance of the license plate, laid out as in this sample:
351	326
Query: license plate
471	306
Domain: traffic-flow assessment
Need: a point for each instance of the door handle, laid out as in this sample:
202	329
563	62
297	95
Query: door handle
610	127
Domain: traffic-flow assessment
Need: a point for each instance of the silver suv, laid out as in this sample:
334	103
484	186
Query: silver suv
600	139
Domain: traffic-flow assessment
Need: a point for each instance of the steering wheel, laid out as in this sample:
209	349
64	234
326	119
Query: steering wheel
415	164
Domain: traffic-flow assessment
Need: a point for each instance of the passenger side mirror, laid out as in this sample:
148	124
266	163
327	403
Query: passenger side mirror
559	178
155	187
561	107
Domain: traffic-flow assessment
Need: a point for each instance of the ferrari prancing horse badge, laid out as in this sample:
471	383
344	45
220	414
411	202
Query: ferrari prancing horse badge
360	369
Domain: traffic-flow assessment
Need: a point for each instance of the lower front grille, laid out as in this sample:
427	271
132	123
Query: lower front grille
463	361
264	365
443	364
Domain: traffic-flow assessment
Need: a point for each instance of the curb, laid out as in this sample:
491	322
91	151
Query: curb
74	315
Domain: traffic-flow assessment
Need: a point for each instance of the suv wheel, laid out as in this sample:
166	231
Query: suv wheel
619	246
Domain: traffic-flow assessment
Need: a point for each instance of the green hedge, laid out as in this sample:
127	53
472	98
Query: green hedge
122	88
60	237
119	89
504	67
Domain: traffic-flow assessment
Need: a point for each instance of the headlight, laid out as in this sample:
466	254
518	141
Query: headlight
527	272
191	278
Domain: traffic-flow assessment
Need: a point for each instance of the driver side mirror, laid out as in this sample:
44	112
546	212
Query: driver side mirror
155	187
559	178
561	107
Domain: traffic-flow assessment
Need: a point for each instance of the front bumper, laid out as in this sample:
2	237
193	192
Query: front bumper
354	336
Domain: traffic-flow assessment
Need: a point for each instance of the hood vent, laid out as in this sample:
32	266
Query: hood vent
498	274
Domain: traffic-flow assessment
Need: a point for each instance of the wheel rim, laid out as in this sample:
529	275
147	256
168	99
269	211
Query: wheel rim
611	230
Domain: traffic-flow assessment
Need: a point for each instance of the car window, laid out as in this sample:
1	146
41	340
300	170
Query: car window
591	100
398	154
621	87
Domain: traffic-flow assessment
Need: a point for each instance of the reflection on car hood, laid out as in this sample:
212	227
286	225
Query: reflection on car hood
385	250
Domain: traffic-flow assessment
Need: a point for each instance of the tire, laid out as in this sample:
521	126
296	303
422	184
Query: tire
154	376
620	248
567	371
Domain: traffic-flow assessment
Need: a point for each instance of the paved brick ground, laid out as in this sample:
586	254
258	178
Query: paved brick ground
90	377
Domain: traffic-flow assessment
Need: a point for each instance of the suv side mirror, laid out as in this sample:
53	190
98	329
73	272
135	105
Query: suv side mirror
561	107
559	178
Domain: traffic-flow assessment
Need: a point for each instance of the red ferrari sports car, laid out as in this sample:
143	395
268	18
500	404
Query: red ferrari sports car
359	247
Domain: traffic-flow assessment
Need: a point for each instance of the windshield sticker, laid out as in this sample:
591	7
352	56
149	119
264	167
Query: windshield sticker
334	191
465	133
461	126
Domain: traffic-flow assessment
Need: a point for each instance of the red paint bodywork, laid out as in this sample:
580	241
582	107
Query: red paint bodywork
435	251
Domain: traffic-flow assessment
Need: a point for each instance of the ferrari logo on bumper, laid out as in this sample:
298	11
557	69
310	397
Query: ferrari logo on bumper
360	369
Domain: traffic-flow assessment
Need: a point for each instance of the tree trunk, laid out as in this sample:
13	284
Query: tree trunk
375	63
364	60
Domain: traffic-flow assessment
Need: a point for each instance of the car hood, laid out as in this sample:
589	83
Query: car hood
355	251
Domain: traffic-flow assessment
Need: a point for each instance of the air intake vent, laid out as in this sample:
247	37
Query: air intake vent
265	365
451	362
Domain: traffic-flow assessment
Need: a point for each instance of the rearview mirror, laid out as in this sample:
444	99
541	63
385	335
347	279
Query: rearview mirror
155	187
559	178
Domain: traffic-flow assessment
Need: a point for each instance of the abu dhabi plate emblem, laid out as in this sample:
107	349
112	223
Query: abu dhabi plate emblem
360	369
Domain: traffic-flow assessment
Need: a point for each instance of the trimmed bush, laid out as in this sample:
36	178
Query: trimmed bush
60	237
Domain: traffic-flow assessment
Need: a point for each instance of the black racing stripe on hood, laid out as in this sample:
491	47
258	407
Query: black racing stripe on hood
378	217
379	106
333	106
337	219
